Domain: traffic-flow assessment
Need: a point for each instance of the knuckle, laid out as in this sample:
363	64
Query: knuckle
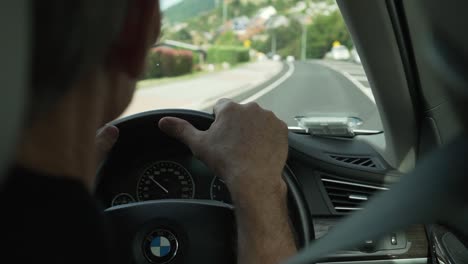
224	105
222	101
228	106
270	114
253	106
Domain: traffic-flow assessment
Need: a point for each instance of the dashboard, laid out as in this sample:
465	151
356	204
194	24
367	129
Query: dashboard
177	178
333	175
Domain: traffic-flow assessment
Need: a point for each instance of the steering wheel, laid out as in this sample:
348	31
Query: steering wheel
177	230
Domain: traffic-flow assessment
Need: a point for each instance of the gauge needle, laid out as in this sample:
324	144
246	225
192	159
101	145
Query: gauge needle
158	184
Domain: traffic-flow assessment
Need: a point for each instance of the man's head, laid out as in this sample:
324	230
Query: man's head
86	58
74	41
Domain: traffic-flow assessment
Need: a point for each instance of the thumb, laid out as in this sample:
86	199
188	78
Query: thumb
181	130
105	140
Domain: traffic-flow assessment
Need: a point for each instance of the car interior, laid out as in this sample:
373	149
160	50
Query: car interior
380	198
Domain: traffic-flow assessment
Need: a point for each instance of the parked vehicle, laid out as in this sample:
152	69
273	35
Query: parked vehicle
340	53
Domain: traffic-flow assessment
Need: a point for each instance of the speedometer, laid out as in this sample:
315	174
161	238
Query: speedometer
165	180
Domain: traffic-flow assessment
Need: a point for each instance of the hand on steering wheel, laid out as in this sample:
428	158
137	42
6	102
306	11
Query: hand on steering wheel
247	147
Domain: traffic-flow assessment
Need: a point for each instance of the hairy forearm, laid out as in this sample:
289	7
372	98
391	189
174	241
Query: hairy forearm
264	231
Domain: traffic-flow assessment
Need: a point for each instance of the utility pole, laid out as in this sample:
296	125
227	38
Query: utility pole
225	11
271	26
304	42
273	42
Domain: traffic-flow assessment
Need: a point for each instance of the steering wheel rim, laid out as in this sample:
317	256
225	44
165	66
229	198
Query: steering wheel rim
151	211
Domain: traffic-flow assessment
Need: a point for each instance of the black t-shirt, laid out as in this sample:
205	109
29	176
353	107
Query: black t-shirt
48	219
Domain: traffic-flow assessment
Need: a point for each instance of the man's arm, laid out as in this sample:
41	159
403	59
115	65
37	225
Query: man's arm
263	228
247	147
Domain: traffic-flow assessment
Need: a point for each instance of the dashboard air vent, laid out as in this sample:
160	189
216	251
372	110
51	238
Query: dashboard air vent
348	196
365	162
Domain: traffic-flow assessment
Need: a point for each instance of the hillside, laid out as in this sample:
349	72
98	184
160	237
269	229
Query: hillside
249	20
188	9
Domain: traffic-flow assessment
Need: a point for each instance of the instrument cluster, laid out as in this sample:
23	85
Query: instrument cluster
167	179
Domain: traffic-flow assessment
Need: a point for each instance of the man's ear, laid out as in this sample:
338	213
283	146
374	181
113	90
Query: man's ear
140	30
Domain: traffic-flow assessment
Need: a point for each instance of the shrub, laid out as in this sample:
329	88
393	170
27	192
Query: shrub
197	60
228	38
229	54
167	62
153	66
183	63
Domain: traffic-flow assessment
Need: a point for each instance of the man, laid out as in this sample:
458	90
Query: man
87	57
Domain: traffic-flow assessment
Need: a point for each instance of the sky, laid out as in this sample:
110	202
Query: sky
167	3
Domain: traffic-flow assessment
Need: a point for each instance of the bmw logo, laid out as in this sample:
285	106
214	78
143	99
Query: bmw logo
160	246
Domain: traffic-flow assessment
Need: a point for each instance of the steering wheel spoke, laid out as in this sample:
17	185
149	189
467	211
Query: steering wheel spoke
174	231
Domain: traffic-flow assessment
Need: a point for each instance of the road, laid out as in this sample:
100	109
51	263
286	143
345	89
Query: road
324	88
321	88
202	92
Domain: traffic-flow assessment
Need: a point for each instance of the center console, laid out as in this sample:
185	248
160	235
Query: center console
409	245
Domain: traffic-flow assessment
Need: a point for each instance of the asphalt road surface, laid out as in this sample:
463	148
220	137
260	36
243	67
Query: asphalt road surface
315	89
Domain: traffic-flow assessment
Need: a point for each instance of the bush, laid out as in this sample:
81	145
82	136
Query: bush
167	62
197	61
153	66
229	54
228	39
183	63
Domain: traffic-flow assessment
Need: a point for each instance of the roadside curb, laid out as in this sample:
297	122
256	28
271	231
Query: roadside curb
243	93
271	86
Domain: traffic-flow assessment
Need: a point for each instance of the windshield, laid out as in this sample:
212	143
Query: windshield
276	53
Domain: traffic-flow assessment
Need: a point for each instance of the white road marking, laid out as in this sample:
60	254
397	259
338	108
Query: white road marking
272	86
365	90
361	78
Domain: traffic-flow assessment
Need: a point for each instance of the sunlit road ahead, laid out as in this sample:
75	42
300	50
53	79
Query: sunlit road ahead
326	88
314	88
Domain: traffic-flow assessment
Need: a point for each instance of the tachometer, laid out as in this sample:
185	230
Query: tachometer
219	191
165	180
122	198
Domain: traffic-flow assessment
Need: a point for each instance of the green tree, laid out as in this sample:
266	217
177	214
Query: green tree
182	35
287	35
283	5
261	46
287	40
228	38
323	32
248	9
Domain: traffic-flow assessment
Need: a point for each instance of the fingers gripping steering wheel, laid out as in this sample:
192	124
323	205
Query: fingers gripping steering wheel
180	231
